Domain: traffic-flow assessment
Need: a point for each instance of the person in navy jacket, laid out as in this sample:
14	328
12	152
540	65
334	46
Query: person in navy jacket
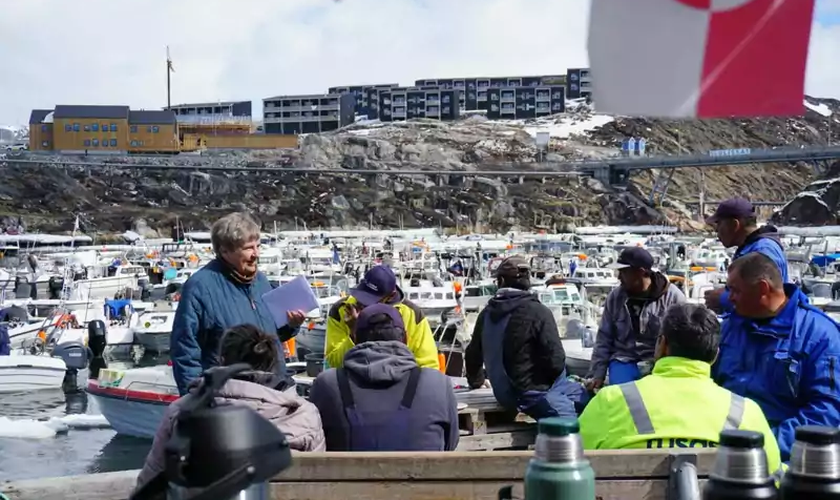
736	226
779	350
225	293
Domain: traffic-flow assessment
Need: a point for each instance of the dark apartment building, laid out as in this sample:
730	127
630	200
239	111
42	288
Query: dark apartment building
209	111
525	102
307	114
405	103
362	95
578	83
473	91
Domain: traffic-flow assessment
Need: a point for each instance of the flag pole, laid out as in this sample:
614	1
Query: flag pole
168	80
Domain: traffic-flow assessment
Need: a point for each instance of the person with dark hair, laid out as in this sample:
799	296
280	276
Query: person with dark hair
779	350
516	345
736	225
381	399
678	405
631	319
261	389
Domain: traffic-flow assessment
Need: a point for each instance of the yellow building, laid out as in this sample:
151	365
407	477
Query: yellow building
103	129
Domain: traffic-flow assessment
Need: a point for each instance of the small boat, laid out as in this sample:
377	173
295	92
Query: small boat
21	372
134	401
154	330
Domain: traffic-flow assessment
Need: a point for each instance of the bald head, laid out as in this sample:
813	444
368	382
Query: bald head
756	267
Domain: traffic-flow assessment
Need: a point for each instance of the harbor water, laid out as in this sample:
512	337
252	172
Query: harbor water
48	434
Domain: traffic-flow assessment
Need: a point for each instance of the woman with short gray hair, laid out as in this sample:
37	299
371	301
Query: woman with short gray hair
225	293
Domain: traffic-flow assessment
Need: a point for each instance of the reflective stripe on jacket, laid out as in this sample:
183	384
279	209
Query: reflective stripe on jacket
420	340
677	406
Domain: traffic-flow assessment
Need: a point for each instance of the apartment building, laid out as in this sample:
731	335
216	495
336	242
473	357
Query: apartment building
525	102
578	83
473	91
405	103
207	112
308	114
362	95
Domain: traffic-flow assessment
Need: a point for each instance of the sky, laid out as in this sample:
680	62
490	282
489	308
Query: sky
114	52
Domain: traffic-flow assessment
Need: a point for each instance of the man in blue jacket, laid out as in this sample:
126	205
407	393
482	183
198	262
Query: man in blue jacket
736	226
779	351
225	293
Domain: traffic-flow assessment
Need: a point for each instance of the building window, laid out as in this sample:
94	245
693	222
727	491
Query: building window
134	129
87	143
104	127
105	143
96	143
87	128
155	129
43	128
113	127
76	127
113	143
45	144
94	127
68	127
149	129
133	144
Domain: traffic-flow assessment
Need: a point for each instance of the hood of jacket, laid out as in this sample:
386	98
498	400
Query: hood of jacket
380	363
764	232
271	397
658	286
506	300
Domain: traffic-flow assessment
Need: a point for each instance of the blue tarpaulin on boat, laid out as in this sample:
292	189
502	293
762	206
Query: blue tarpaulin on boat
170	274
115	308
824	260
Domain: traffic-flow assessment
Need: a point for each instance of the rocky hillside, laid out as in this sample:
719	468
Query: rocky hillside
47	196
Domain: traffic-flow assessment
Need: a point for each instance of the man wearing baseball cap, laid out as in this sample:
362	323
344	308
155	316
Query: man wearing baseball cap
516	345
379	286
631	319
735	222
381	400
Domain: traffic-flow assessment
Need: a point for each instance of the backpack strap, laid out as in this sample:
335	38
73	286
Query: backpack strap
411	387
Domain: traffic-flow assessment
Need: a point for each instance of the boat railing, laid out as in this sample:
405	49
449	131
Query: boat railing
161	396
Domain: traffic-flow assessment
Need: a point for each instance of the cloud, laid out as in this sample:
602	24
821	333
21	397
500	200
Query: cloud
107	52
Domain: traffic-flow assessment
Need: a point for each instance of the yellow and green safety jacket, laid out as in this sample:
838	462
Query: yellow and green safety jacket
676	406
417	330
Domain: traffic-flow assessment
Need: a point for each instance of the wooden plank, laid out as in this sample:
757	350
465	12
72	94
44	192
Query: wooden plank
335	467
498	440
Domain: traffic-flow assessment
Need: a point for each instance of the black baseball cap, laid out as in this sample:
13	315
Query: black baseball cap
513	267
635	257
733	208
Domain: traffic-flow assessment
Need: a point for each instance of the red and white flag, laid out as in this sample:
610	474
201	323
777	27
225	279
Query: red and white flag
699	58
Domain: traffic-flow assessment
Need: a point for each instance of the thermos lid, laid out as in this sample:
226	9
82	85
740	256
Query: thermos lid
818	435
559	426
741	439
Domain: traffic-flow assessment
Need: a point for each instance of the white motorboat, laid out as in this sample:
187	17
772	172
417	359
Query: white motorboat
20	372
134	401
154	330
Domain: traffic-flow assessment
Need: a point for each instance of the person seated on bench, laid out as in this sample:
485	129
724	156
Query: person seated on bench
269	394
678	405
515	339
381	400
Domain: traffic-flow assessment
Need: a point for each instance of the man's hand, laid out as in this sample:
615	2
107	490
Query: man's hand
351	314
295	318
713	299
593	384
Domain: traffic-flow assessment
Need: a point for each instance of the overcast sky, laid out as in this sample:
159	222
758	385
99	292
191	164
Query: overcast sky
113	52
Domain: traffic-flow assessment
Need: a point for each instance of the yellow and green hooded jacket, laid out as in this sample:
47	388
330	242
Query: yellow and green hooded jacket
418	332
676	406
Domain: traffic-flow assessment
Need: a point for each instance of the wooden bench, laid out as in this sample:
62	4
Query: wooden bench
621	475
493	428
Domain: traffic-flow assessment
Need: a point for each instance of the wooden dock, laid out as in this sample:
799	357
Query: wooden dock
621	475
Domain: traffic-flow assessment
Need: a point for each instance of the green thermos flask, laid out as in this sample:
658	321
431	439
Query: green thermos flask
559	470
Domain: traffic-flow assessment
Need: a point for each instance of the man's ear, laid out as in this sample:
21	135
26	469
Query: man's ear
717	353
764	287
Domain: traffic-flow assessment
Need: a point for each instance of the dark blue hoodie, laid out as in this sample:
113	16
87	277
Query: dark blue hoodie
764	240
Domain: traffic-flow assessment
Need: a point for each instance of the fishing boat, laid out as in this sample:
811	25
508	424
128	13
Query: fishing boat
24	372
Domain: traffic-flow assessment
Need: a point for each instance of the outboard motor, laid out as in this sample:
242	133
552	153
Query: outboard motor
75	356
97	342
22	288
55	286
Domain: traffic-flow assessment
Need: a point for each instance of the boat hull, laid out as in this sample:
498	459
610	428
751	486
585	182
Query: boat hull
153	341
312	340
131	413
23	373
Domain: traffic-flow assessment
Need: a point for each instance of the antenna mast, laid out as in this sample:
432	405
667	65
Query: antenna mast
169	71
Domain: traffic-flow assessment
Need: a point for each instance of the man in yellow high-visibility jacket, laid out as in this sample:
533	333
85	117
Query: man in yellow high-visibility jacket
678	405
378	286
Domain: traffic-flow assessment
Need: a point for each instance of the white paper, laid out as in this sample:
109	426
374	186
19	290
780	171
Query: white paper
295	295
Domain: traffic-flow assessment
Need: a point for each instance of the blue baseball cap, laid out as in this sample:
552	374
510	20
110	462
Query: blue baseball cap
379	282
733	208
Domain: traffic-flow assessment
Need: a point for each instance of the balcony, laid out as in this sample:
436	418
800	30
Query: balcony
508	97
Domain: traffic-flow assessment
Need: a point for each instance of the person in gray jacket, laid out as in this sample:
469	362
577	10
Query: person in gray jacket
381	400
631	319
